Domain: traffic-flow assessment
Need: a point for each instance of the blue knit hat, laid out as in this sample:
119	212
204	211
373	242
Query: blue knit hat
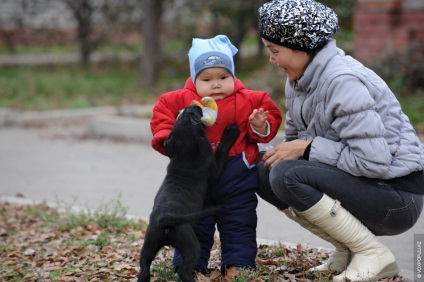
213	52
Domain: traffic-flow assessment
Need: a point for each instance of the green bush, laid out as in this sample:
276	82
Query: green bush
403	70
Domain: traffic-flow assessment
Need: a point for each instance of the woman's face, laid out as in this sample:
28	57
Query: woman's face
292	62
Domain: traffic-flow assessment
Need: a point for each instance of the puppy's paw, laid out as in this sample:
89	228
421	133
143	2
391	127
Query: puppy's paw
231	133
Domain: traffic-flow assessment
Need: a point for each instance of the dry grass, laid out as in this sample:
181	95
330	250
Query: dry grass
41	243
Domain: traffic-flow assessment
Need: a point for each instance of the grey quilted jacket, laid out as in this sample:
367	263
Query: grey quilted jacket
352	117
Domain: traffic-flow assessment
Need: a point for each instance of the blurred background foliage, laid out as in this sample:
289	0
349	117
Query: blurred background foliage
84	53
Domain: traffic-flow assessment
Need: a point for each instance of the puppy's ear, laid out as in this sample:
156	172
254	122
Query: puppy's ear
170	146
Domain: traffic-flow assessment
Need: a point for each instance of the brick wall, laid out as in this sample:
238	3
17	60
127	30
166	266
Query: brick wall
384	25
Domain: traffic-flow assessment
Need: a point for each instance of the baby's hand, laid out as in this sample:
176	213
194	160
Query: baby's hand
258	120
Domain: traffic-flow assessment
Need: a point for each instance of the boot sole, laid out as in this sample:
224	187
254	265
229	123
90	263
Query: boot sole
327	267
388	271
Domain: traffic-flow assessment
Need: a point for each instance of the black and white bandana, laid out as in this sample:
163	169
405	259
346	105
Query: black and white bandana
303	25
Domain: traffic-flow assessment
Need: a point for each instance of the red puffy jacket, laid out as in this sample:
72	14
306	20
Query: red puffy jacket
236	108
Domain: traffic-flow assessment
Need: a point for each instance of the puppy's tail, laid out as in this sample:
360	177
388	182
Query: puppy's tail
172	220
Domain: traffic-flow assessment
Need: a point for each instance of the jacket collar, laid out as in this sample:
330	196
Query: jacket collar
314	71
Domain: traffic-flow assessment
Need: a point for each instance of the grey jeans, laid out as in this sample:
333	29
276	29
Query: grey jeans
378	205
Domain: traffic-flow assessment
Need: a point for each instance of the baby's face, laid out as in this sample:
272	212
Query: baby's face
215	82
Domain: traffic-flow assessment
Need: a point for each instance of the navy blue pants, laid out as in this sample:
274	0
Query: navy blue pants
237	220
376	203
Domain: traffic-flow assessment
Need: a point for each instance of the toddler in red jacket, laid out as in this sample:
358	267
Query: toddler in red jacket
258	118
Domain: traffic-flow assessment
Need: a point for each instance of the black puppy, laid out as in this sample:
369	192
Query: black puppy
193	169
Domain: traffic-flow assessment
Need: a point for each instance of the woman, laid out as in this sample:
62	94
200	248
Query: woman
351	165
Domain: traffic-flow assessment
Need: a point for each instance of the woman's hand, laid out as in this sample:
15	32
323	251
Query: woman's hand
292	150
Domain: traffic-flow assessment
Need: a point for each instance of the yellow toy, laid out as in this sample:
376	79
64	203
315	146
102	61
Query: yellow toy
210	110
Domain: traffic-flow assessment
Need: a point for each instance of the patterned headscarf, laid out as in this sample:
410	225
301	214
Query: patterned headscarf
303	25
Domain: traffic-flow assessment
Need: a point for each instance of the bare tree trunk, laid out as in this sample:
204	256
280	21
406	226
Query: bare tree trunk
84	31
82	11
260	47
152	11
241	23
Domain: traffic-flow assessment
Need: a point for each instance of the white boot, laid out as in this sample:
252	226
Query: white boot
338	260
371	260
